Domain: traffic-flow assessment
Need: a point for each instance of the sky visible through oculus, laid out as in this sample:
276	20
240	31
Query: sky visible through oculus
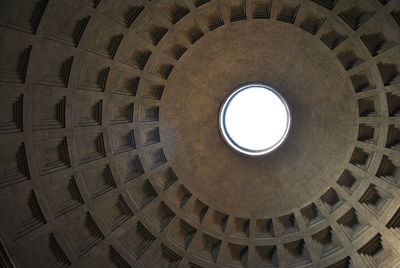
256	118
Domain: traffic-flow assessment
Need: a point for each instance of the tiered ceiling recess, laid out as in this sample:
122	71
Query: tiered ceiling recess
111	154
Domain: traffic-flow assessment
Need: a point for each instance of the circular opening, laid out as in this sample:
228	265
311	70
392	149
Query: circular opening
254	119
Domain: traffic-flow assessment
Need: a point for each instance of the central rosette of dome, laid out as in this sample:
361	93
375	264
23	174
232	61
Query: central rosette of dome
254	120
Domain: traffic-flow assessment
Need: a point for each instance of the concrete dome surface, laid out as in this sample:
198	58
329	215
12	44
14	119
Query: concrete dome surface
111	153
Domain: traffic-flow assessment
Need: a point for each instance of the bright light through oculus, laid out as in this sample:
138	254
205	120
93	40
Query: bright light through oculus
254	120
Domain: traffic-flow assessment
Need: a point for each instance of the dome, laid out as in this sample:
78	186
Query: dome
112	153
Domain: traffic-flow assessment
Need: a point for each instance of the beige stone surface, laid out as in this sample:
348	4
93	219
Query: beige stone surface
110	153
317	147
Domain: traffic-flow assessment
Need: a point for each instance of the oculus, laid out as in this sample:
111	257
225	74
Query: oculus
254	119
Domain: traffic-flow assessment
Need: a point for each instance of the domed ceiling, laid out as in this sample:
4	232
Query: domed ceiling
111	154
